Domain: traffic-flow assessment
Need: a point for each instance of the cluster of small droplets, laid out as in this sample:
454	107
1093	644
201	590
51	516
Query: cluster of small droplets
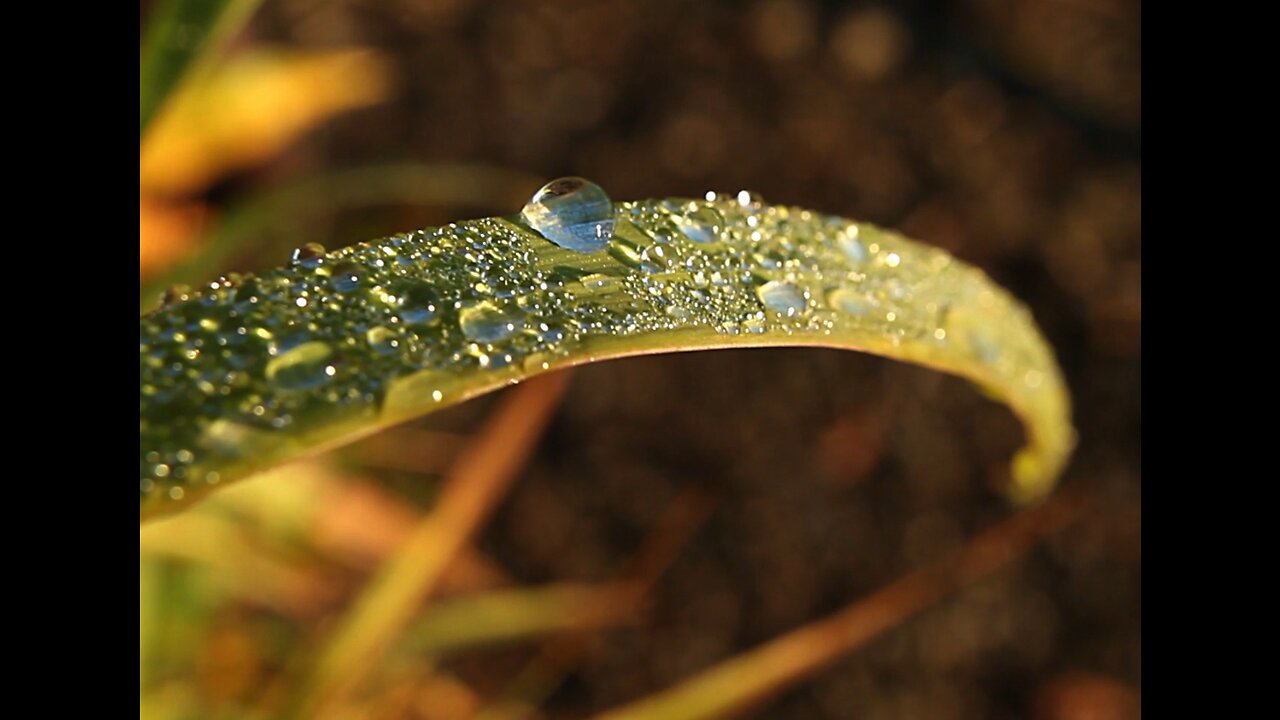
250	365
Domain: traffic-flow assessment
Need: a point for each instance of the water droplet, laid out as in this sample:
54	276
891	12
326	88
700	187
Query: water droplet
782	297
984	347
383	339
747	199
248	291
419	304
174	294
700	223
304	367
601	283
346	276
573	213
849	301
309	255
485	322
853	247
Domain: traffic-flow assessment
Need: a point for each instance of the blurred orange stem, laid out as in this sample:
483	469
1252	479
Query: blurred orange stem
738	683
472	489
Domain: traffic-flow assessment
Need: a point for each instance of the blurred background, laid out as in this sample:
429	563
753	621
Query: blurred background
676	511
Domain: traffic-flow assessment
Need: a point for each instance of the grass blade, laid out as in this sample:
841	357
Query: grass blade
180	39
443	184
513	614
254	371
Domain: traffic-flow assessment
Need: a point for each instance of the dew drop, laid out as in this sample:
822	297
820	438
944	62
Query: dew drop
346	276
309	255
304	367
782	297
485	322
848	301
573	213
174	294
853	247
419	304
383	339
700	223
984	347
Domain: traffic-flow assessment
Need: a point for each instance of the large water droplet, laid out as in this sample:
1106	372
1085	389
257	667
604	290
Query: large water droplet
304	367
573	213
309	255
485	322
700	223
782	297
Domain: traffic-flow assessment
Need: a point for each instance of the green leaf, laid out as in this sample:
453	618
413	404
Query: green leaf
262	218
180	38
253	371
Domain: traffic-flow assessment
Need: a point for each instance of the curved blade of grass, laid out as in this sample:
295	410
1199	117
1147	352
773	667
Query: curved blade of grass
179	39
254	371
445	184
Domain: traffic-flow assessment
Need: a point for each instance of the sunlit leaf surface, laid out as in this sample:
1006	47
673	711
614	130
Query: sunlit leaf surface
251	371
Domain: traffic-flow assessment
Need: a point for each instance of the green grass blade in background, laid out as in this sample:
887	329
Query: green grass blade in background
179	38
254	371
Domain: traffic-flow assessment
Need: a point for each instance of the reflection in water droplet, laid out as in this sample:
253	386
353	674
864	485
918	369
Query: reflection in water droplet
304	367
573	213
485	322
700	223
782	297
309	255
